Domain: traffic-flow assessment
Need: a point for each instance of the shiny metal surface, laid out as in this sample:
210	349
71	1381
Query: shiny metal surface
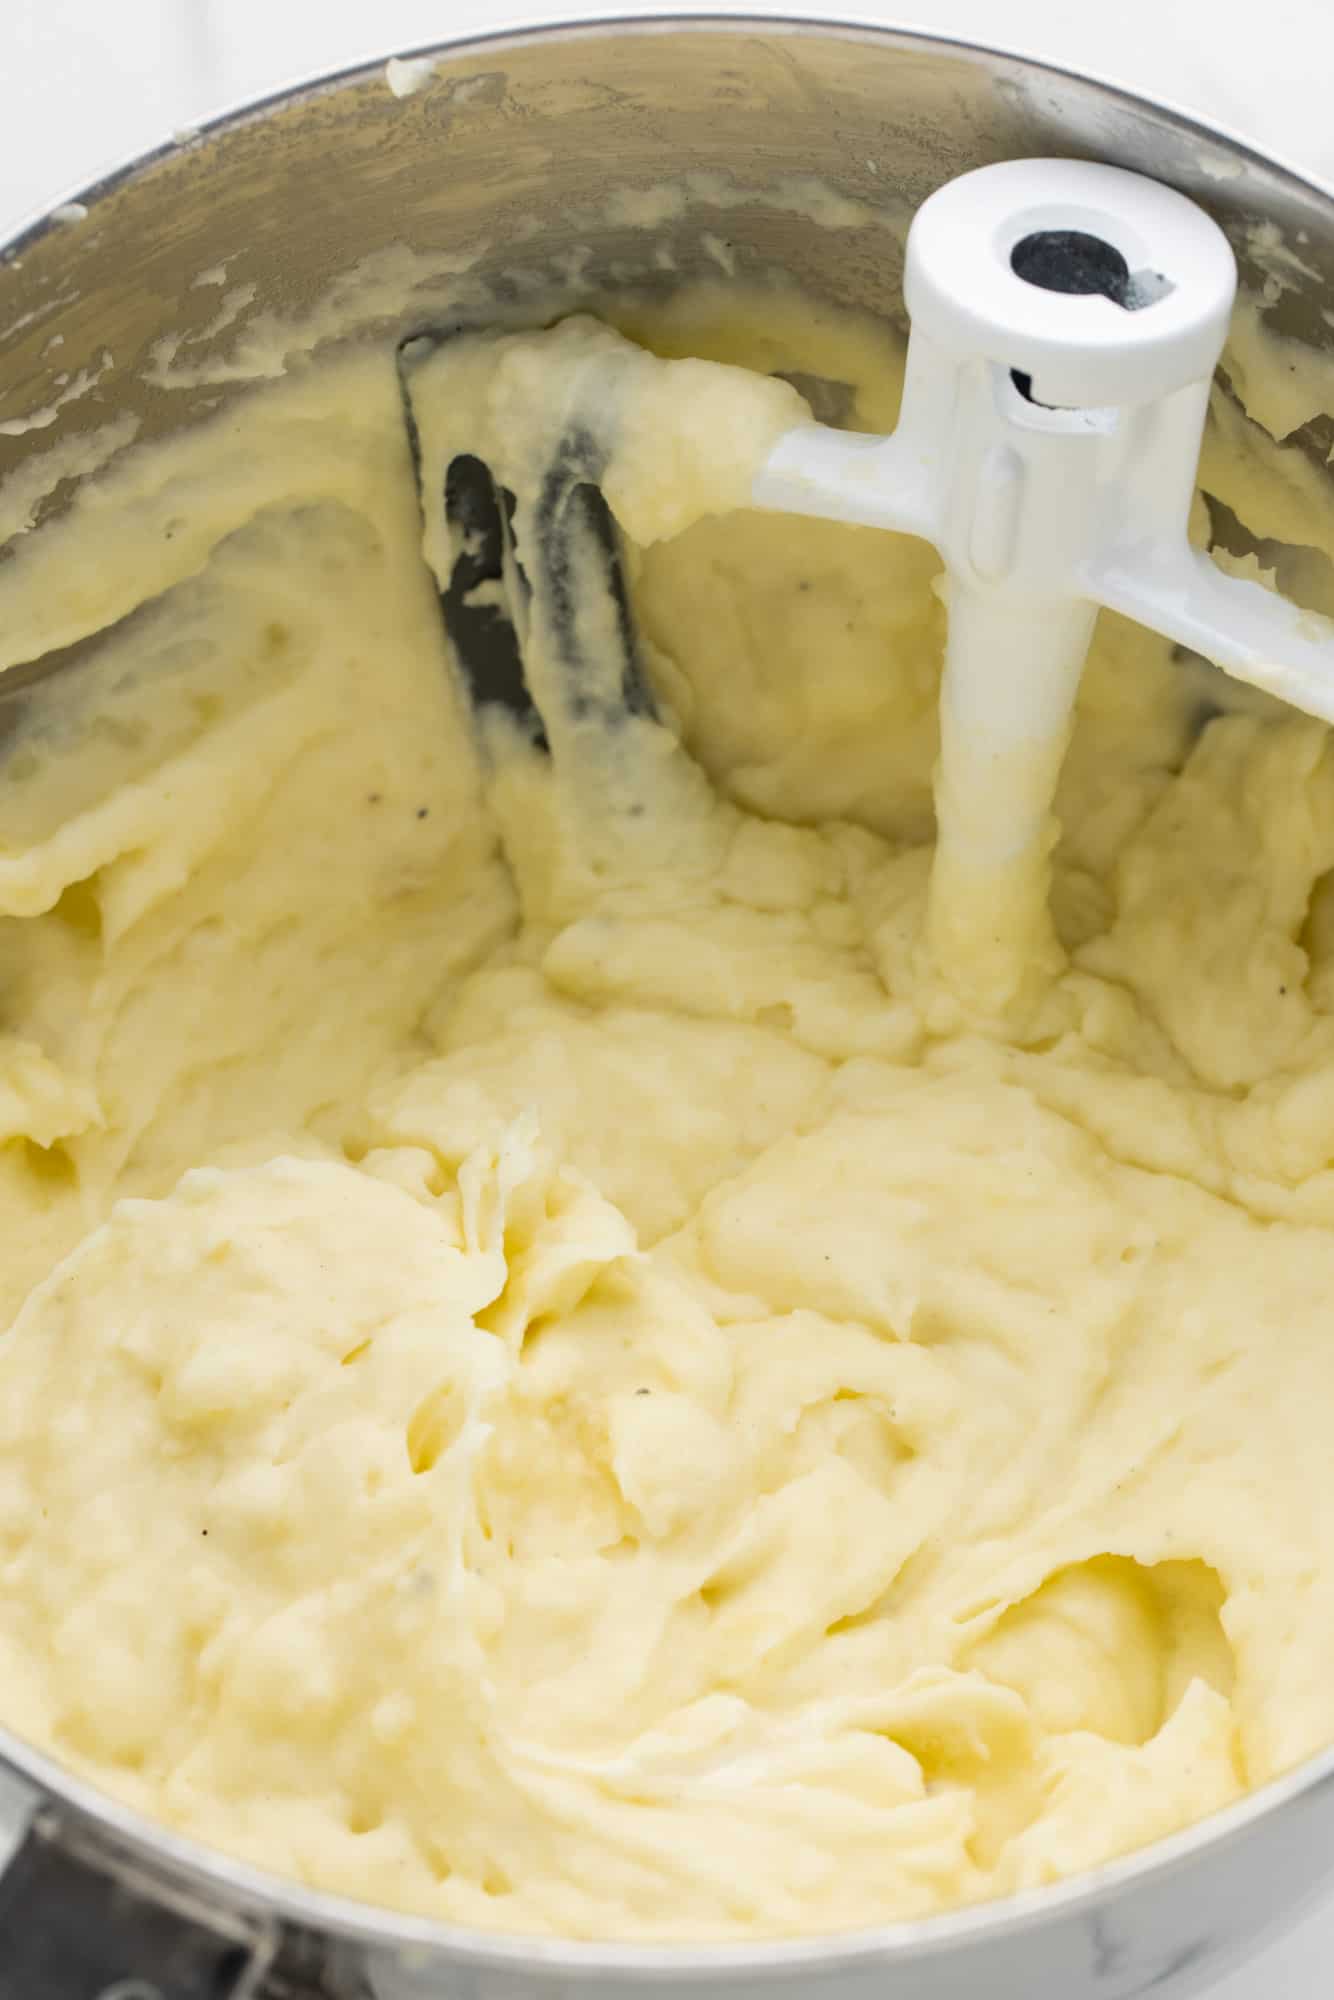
503	166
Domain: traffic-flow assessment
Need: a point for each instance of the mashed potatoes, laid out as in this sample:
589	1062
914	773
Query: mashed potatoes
552	1380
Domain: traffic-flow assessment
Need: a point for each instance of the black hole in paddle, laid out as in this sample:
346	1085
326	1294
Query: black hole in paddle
1068	260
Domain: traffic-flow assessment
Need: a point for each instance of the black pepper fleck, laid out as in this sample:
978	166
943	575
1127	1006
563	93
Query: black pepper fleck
422	811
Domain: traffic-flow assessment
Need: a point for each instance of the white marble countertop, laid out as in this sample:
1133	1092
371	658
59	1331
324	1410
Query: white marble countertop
84	84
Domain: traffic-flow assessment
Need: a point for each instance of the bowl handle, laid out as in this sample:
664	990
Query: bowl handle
80	1922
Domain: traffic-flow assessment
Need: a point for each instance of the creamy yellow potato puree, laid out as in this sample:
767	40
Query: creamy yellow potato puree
554	1378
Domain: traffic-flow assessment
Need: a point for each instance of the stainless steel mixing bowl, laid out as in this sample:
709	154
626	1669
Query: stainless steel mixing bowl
790	144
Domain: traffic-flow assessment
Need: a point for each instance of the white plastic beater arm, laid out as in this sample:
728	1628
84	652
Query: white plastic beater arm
898	482
1247	630
877	482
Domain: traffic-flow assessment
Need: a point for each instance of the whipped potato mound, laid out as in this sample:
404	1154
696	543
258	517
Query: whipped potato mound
553	1378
